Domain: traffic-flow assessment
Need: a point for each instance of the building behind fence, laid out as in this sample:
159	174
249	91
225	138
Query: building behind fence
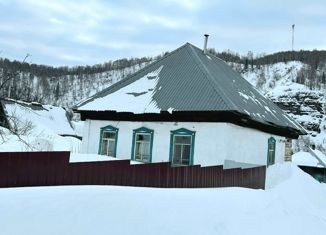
20	169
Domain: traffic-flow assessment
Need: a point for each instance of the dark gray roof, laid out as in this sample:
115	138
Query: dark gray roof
193	81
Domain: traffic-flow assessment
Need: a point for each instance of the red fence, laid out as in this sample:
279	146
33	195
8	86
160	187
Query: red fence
53	168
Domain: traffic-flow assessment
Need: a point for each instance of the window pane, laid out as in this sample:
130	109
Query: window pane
177	154
145	148
143	137
137	151
142	151
111	148
108	135
182	139
104	147
271	153
185	154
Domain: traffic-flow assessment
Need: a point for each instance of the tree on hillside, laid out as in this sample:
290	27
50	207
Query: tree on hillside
323	80
13	122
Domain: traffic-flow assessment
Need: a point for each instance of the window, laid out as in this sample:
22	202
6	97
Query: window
108	141
142	145
182	147
271	151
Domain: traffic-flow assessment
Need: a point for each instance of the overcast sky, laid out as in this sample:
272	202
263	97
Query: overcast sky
89	32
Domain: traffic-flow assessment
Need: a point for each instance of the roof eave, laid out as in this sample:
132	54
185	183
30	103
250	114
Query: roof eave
233	117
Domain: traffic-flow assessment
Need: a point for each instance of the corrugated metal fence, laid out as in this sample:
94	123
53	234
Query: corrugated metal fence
19	169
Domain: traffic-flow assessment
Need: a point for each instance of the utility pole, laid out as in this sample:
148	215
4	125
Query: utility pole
293	37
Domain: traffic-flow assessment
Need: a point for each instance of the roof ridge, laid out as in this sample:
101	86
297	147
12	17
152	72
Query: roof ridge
128	77
208	75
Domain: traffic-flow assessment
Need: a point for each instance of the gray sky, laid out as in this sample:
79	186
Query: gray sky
88	32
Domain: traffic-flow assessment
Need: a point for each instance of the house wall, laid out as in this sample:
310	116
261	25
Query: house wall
214	142
250	145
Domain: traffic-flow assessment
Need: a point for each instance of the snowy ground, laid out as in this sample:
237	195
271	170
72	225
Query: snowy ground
296	206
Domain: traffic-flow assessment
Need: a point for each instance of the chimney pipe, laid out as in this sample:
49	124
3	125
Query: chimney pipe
205	43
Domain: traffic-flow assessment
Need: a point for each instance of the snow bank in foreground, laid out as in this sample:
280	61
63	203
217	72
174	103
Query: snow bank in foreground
276	174
296	206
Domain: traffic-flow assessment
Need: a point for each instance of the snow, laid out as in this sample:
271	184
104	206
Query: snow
38	141
276	174
295	206
292	88
304	159
136	97
87	157
73	144
244	95
320	155
276	75
79	157
78	127
48	119
47	124
304	105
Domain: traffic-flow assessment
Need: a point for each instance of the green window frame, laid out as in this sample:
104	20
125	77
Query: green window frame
271	151
182	143
108	138
142	145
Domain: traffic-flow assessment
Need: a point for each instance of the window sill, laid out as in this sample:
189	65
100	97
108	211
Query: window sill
140	161
178	165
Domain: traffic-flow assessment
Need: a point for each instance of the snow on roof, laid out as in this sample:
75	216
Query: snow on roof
305	159
42	117
320	155
187	80
137	97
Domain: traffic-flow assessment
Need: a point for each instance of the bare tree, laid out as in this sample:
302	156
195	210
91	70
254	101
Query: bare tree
14	123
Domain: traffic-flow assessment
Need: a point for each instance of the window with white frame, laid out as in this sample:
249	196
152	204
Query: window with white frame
182	147
108	141
142	145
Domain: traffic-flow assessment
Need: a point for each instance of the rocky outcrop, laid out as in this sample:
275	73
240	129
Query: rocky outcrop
304	106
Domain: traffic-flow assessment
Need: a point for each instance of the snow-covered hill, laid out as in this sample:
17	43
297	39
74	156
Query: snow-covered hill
305	104
297	87
60	90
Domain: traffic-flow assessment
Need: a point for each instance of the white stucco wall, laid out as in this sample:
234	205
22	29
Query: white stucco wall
250	145
214	142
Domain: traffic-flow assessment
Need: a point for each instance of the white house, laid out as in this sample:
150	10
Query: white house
187	108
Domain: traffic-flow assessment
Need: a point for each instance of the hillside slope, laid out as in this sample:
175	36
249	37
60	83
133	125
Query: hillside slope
304	104
297	86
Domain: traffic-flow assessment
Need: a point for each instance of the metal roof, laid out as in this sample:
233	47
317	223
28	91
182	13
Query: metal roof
193	81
